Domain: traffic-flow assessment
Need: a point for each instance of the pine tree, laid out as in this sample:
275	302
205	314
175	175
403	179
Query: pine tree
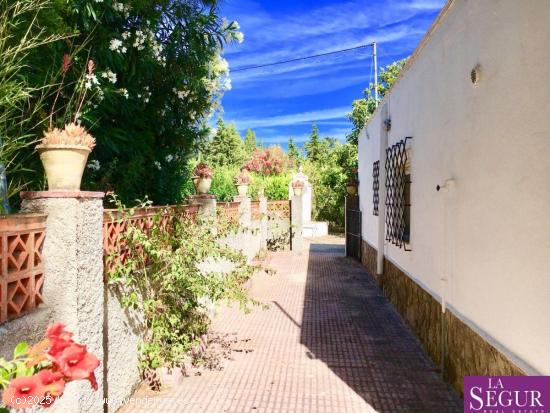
249	141
226	148
293	151
313	145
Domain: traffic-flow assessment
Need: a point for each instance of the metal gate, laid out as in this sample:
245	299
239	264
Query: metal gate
353	227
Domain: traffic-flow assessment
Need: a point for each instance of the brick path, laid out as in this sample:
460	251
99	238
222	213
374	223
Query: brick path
330	342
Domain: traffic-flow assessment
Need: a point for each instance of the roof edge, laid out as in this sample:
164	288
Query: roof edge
435	25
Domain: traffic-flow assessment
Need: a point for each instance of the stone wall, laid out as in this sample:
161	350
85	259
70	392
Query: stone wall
76	293
368	257
466	353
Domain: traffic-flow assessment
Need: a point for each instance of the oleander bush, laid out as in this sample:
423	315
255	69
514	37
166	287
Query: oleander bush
158	78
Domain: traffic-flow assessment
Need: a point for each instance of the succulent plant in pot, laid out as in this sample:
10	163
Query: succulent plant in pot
64	151
202	178
242	180
297	187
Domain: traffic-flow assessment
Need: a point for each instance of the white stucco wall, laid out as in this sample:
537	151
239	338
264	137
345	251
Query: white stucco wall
493	139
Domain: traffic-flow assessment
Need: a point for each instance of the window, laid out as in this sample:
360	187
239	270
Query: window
398	194
375	187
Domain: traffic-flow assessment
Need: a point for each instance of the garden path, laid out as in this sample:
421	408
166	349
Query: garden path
329	342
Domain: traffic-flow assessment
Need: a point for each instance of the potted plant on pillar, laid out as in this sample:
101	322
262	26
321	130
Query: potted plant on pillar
353	183
64	151
202	178
297	187
351	186
242	180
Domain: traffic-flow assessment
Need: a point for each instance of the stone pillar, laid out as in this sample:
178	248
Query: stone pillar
73	278
245	210
263	223
297	224
207	204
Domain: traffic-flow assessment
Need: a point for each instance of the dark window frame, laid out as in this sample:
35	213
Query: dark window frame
398	191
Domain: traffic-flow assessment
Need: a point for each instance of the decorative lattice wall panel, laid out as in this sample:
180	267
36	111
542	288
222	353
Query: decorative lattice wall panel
255	210
22	265
278	209
115	224
229	209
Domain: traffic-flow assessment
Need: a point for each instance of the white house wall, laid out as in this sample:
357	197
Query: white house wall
493	139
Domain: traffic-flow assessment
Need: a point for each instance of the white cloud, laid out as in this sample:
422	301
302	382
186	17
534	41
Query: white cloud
300	139
294	118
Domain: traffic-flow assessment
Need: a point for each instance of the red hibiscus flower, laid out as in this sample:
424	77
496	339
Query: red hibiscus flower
76	363
23	392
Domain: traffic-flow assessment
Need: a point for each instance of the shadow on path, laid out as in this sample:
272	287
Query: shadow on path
350	326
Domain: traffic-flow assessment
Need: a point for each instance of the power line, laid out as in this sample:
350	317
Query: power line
241	69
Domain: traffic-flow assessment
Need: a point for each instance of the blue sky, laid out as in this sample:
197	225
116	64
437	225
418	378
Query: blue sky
284	101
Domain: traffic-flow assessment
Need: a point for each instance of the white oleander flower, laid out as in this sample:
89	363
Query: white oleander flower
110	76
158	165
115	45
118	6
125	93
226	83
169	158
182	94
94	165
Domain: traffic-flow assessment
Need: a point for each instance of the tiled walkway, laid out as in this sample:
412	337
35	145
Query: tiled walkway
329	342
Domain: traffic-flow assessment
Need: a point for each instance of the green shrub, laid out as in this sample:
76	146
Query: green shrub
176	296
275	186
223	185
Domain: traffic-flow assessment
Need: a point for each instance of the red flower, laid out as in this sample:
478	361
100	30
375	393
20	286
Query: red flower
76	363
59	339
53	384
66	63
93	381
23	392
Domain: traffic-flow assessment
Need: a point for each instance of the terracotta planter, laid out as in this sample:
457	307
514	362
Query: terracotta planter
242	189
351	189
202	185
64	165
297	191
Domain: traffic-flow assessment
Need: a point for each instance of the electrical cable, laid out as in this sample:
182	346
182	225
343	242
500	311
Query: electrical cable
241	69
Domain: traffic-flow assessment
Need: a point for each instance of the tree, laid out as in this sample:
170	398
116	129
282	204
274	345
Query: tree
362	109
249	141
226	148
293	152
313	145
158	77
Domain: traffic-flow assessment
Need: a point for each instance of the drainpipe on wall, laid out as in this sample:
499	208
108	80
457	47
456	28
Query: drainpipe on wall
447	188
382	191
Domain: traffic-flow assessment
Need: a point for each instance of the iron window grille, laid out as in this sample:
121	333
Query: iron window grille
375	187
398	195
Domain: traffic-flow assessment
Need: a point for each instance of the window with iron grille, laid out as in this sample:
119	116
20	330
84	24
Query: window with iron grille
375	187
398	194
